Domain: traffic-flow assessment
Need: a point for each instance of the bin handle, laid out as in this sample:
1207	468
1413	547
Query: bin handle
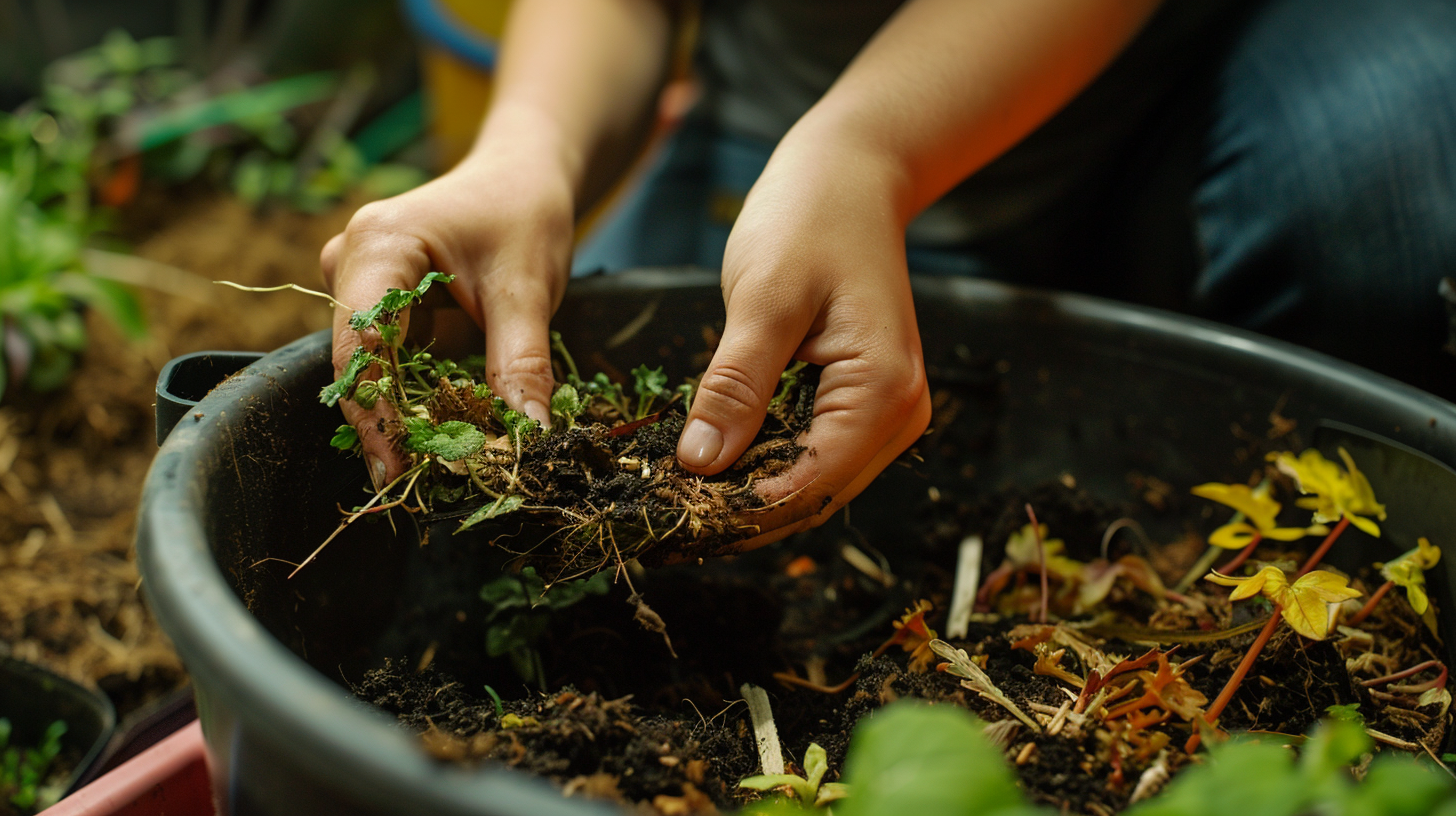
185	380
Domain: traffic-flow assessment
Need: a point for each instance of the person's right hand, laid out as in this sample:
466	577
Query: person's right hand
501	223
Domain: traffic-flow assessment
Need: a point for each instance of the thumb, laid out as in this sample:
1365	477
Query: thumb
760	337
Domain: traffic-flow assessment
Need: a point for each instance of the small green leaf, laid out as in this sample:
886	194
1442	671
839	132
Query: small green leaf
787	381
344	385
1347	713
518	426
800	786
501	506
503	593
816	764
387	310
367	393
345	438
566	403
648	382
451	441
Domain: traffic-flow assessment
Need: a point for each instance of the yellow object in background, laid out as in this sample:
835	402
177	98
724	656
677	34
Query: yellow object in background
457	82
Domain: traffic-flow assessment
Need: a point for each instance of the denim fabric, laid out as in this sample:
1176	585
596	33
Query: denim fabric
1300	182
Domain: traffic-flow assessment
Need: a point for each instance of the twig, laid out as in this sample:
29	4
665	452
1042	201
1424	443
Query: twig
967	580
1041	558
1324	546
1222	701
765	732
413	473
295	287
1369	606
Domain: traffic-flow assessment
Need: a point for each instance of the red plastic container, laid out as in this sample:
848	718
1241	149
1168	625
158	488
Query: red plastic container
168	779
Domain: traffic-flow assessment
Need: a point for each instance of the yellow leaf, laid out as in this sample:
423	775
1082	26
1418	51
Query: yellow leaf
1266	580
1021	547
1308	616
1233	536
1332	493
1428	553
1325	585
1257	507
1409	571
1305	604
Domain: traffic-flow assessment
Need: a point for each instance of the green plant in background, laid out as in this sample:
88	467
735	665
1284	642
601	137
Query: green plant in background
936	761
24	771
521	607
45	202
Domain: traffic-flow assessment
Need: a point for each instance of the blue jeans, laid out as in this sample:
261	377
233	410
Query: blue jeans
1296	177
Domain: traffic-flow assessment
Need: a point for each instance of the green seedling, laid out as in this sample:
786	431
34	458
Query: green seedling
811	789
24	772
520	611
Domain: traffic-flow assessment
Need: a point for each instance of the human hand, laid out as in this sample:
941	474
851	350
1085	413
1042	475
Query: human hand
501	223
814	270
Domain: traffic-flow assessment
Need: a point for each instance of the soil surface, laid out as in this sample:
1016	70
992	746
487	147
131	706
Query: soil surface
815	622
72	462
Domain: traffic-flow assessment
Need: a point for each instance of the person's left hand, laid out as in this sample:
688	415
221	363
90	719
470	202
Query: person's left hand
814	270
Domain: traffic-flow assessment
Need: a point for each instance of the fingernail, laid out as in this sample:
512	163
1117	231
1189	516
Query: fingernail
535	410
376	472
700	444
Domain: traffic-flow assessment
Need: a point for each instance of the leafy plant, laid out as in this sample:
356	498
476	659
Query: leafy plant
24	772
1304	603
45	203
520	611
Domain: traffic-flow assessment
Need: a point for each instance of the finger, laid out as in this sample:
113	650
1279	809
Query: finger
329	257
360	266
517	315
871	404
805	503
763	330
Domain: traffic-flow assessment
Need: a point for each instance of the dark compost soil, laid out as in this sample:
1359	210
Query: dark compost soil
619	718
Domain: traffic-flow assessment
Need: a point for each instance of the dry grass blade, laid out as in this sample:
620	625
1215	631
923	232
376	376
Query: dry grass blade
974	678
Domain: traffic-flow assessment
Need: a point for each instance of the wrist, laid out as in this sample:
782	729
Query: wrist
849	164
525	136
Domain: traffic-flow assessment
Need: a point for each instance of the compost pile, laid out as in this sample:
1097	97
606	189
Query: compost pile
1100	659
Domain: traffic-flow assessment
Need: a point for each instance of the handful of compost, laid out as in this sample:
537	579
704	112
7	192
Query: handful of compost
601	484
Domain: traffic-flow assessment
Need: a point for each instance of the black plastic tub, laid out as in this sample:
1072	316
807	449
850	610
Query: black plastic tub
1081	386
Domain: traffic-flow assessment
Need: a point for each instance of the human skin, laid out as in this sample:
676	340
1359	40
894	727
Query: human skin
815	265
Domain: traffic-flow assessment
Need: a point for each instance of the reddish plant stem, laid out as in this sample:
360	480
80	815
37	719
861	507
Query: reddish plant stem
1421	688
1041	557
1225	696
1404	673
1370	604
1238	560
1324	546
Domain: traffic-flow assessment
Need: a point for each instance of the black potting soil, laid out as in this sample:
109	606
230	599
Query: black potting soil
614	714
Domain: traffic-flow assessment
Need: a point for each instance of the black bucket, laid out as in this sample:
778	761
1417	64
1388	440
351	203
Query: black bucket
1080	386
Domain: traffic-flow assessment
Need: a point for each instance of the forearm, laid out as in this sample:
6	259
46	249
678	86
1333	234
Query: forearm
579	80
946	86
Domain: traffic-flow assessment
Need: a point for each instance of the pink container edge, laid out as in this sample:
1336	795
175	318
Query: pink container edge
169	779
